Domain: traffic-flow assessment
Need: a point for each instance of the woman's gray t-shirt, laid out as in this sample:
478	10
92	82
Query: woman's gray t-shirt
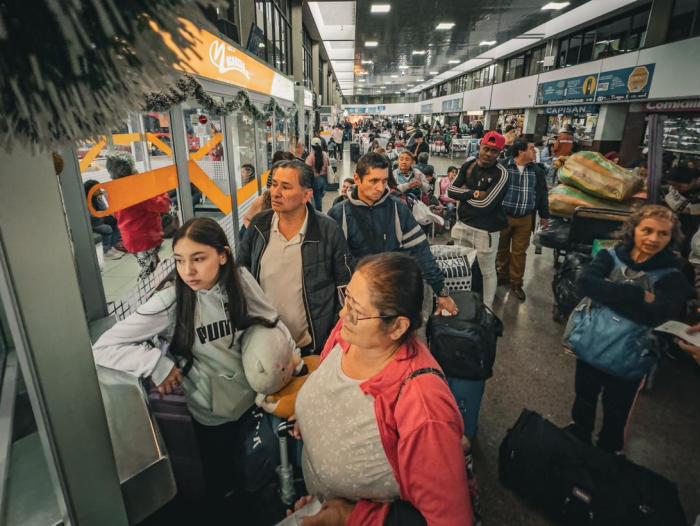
343	453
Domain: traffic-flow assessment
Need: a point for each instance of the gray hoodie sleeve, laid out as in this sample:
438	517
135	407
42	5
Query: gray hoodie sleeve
258	304
128	346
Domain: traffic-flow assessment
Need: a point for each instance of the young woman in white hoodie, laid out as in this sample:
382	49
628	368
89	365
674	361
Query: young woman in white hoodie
188	333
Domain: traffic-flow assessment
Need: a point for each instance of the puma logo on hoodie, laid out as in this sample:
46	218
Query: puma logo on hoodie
214	331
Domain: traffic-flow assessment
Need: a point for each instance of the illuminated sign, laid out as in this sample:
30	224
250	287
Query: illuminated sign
215	59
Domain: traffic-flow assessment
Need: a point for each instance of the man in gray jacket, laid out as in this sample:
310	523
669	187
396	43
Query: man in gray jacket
298	256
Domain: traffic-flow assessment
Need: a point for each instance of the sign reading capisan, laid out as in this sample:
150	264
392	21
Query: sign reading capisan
578	109
620	84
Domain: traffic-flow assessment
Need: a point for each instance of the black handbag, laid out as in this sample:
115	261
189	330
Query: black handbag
465	345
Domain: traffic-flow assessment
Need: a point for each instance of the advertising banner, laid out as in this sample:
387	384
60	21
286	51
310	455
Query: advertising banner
625	84
620	84
452	105
576	89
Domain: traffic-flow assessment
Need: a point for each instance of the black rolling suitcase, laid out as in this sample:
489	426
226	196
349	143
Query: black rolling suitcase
175	423
354	152
578	484
589	224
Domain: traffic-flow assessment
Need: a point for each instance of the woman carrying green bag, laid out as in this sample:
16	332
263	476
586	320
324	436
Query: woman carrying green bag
629	290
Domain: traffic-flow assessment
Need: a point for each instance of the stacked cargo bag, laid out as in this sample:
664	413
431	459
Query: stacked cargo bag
175	423
566	293
465	347
354	152
578	484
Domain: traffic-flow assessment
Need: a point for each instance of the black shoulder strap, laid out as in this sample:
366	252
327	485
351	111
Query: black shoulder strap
420	372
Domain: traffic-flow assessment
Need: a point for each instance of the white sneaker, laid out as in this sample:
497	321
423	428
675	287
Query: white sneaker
114	254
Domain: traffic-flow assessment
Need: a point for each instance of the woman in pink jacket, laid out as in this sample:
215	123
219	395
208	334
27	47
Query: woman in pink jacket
380	426
141	225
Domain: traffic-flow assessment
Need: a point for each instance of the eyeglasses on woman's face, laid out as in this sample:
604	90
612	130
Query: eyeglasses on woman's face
354	311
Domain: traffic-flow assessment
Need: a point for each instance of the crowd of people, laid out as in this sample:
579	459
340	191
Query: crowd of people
383	433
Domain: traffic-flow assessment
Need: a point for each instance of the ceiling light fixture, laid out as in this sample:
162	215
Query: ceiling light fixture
403	66
380	8
418	52
371	43
453	61
555	6
487	42
394	76
419	80
443	26
433	72
367	62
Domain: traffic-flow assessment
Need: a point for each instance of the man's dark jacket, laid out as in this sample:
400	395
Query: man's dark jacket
326	264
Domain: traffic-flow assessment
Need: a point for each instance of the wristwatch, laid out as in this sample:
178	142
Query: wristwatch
444	293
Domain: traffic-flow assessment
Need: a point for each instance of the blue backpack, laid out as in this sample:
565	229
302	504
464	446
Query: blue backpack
608	341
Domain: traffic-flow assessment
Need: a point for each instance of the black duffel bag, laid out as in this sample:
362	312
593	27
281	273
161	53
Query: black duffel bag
566	293
465	345
578	484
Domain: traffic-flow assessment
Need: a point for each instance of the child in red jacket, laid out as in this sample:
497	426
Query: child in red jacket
141	225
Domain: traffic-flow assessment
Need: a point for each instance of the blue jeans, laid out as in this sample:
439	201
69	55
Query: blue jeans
468	394
110	236
319	191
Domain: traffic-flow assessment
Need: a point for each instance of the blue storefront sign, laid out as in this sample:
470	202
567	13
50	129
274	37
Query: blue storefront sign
625	84
576	89
620	84
578	109
452	105
365	110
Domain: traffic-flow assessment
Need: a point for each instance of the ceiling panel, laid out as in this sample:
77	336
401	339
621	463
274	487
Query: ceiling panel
347	65
411	26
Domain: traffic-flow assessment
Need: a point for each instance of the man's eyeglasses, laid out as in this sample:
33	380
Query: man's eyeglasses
353	316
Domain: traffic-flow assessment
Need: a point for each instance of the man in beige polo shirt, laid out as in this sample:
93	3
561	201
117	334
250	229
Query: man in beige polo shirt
299	257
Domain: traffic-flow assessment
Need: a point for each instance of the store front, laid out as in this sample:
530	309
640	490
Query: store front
672	139
512	117
583	118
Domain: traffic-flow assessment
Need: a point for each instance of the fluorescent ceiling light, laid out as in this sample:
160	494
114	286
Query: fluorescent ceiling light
555	6
418	52
419	80
442	26
403	66
362	80
487	42
367	62
371	43
433	72
453	61
394	76
380	8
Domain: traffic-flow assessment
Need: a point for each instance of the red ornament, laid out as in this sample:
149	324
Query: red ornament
269	123
203	119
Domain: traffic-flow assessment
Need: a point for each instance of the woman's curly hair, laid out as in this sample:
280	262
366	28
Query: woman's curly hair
626	232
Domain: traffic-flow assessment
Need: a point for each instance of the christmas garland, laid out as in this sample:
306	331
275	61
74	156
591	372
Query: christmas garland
188	88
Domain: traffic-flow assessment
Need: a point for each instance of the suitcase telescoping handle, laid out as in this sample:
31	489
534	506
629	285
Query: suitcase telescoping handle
285	471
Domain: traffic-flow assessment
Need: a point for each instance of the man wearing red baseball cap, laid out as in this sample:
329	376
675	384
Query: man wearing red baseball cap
479	188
